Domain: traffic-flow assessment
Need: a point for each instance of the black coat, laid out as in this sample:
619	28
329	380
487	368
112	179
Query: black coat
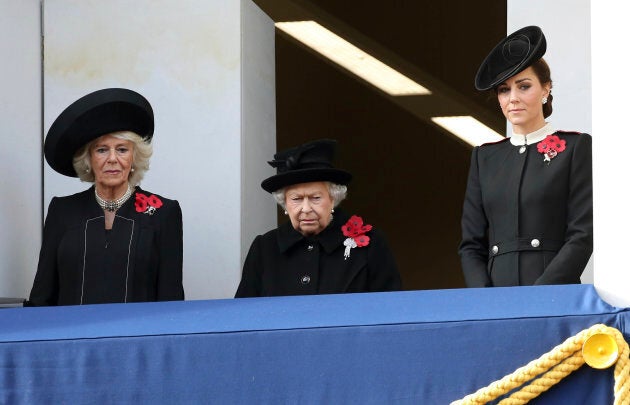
284	262
139	259
526	221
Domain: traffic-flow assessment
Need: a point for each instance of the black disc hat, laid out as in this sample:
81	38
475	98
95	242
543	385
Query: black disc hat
304	164
96	114
511	56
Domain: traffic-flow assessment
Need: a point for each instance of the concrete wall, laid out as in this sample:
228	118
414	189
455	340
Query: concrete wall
200	63
258	105
20	145
609	21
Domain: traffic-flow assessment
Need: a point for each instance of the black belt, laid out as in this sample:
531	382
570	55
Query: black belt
524	244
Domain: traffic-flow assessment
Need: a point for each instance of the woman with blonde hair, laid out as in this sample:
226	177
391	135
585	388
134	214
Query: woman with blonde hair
114	242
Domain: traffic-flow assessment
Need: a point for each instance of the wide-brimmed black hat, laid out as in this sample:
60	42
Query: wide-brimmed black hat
304	164
512	55
98	113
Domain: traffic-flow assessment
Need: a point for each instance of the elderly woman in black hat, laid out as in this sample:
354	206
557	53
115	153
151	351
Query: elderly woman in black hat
113	242
528	211
320	250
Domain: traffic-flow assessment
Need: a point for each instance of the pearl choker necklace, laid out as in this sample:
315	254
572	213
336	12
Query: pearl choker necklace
115	204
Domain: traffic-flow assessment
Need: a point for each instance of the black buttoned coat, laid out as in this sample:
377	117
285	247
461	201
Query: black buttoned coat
285	262
139	259
526	221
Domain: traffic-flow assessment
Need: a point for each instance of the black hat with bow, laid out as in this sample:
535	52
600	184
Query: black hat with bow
304	164
99	113
511	56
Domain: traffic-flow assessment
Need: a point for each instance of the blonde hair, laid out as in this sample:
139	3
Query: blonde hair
142	151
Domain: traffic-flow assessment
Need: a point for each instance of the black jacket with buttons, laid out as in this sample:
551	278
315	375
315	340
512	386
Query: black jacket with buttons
138	260
285	262
526	221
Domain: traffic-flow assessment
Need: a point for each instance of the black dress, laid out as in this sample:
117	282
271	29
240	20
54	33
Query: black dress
139	259
527	221
285	262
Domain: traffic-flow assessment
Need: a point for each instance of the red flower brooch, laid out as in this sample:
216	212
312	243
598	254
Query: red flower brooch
355	231
551	146
147	205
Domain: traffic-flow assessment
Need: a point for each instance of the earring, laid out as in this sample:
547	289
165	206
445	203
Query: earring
133	170
332	211
87	170
285	212
544	100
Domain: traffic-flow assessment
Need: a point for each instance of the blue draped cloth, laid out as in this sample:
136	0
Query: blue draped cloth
412	347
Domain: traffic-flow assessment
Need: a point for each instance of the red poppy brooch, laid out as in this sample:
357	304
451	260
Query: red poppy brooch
147	205
551	146
355	231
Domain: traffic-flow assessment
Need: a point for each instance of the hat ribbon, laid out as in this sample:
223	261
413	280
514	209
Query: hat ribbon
294	161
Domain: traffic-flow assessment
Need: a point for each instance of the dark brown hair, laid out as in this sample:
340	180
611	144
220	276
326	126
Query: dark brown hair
541	69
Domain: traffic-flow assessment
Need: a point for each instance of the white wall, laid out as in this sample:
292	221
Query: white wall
566	24
610	154
567	28
199	63
20	145
258	211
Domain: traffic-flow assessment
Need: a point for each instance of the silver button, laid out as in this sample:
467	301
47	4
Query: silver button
305	280
522	149
535	243
309	247
495	249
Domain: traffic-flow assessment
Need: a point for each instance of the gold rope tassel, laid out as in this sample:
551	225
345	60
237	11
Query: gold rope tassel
552	367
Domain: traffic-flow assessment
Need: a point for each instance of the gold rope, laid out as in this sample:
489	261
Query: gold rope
550	368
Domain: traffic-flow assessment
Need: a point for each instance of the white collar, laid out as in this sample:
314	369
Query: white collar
532	137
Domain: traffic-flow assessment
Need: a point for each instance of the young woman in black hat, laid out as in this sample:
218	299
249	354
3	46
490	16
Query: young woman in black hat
113	242
528	211
320	250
